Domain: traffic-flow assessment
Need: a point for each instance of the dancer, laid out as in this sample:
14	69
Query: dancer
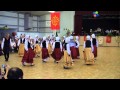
29	53
37	48
95	45
67	54
21	43
87	51
57	50
77	47
73	48
44	46
49	44
6	45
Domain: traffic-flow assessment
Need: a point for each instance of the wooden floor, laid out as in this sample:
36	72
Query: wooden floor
107	66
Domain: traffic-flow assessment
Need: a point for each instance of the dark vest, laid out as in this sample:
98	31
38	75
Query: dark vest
57	44
44	44
65	46
22	41
7	43
94	41
88	44
36	42
29	45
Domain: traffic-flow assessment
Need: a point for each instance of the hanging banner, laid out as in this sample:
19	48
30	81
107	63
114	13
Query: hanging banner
108	39
100	40
55	21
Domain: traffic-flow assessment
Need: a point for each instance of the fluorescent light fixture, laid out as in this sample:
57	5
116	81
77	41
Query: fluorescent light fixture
51	11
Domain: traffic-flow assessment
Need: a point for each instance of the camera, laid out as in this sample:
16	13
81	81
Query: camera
3	69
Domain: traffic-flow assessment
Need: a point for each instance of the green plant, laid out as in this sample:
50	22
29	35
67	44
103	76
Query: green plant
109	34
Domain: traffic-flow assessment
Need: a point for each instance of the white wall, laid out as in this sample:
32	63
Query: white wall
66	21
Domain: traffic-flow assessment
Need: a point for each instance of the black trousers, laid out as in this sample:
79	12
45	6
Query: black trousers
6	53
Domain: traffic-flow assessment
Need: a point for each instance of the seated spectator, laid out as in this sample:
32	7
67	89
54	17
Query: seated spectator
15	73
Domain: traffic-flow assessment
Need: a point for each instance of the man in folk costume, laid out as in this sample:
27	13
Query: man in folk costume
57	50
1	52
16	41
95	45
67	54
21	43
44	46
77	47
29	53
87	51
73	48
6	45
37	48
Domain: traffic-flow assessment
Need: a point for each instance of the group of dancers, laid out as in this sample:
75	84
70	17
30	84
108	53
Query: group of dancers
66	47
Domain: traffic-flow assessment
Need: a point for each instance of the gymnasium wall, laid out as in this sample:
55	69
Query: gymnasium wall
41	24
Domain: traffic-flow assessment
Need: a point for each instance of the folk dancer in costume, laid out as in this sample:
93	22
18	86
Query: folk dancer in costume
87	51
44	46
49	45
95	45
37	48
73	48
77	47
21	43
16	41
67	54
29	53
13	45
5	46
57	50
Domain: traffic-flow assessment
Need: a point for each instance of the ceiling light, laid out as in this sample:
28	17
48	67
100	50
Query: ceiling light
51	11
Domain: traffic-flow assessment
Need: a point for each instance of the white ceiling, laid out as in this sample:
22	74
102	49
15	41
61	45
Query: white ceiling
38	13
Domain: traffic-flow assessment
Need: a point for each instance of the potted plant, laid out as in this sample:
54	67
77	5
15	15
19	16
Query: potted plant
108	38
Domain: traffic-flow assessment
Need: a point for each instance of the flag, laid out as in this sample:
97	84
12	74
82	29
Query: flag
108	39
55	21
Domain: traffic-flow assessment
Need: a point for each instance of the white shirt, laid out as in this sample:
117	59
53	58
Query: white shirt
53	47
46	44
91	46
78	43
19	41
2	44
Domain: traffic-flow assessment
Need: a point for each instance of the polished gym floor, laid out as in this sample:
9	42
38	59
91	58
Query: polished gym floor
107	66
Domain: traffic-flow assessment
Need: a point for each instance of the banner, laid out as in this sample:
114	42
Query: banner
108	39
100	40
55	21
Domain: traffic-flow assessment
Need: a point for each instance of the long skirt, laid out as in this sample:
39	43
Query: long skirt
45	53
28	56
88	56
57	54
78	53
37	49
67	60
73	52
49	48
21	50
95	51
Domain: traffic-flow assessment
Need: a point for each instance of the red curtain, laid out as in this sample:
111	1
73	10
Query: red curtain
108	39
55	21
